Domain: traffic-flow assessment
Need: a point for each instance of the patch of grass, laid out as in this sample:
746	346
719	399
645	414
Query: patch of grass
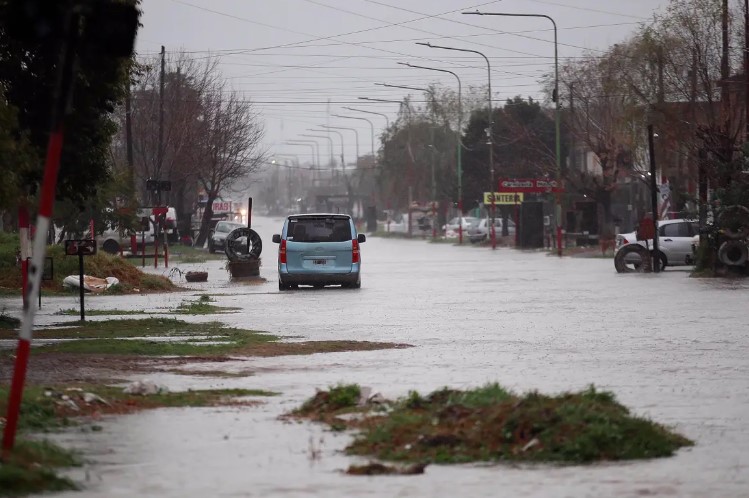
30	469
132	337
203	306
49	408
77	311
187	254
493	424
100	265
336	398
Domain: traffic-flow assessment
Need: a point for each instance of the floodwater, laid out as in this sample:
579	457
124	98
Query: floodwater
671	347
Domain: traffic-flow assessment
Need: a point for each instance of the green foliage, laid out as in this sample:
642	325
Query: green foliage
490	423
30	469
27	72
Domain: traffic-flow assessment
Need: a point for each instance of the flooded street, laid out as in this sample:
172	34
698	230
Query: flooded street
671	348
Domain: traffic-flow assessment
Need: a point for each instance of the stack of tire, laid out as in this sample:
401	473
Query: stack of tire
237	252
734	222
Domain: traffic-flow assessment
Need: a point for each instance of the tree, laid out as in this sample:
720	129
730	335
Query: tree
523	138
27	74
229	147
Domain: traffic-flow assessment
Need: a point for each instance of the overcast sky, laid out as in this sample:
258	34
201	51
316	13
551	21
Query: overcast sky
301	61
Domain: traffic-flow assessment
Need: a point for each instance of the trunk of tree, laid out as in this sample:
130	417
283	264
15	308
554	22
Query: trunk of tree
205	223
605	219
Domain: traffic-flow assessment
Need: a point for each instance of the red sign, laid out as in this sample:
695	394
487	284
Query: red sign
529	185
222	207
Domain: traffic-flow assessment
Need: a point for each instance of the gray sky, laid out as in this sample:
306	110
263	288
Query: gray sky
293	56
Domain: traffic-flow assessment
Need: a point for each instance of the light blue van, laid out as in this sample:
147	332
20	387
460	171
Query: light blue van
319	250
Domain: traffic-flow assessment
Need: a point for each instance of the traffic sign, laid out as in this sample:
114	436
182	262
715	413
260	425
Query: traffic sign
530	185
503	199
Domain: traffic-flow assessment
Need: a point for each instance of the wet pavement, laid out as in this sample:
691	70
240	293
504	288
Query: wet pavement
671	347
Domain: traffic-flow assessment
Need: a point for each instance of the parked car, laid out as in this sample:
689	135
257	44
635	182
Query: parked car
319	250
217	240
480	232
451	227
675	238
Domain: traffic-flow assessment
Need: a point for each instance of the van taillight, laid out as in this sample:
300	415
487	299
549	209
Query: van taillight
354	251
282	252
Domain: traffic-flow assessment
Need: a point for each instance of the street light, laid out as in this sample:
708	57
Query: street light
460	131
489	130
325	137
340	135
356	134
429	91
312	145
371	126
387	120
557	112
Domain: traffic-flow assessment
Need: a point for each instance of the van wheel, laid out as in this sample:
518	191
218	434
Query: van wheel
111	247
282	286
211	248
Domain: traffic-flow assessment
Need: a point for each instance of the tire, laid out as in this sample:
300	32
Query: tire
111	246
733	253
211	248
622	265
282	286
253	239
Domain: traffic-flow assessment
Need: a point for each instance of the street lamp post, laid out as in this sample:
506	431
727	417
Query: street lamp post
387	120
371	126
557	112
315	146
345	177
325	137
492	231
429	91
459	146
340	135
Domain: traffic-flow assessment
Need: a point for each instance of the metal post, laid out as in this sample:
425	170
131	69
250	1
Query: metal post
489	137
80	284
557	111
459	146
654	198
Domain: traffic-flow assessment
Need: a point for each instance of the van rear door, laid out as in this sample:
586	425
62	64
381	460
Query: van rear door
319	244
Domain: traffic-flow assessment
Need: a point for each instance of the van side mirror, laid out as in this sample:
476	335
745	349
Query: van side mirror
361	238
276	238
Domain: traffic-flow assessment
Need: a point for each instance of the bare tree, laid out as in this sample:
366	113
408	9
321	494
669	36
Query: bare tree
229	147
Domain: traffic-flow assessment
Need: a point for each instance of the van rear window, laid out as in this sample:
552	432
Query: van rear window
318	230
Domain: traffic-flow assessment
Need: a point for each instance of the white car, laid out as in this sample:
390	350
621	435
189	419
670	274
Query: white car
480	232
465	221
675	239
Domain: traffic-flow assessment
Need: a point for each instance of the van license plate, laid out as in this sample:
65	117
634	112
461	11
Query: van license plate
319	261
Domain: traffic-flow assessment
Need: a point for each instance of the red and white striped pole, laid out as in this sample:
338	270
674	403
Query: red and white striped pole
54	150
63	91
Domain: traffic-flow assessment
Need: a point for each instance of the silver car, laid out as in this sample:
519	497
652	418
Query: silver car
480	231
217	240
675	239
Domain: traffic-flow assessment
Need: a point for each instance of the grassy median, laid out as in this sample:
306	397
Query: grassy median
491	423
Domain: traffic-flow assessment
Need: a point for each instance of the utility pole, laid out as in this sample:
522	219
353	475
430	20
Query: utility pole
160	158
746	68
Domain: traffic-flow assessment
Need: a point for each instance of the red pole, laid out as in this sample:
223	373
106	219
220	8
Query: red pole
434	221
559	228
49	184
494	231
517	224
62	92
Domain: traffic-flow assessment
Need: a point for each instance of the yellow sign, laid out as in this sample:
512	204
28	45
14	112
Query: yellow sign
503	198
